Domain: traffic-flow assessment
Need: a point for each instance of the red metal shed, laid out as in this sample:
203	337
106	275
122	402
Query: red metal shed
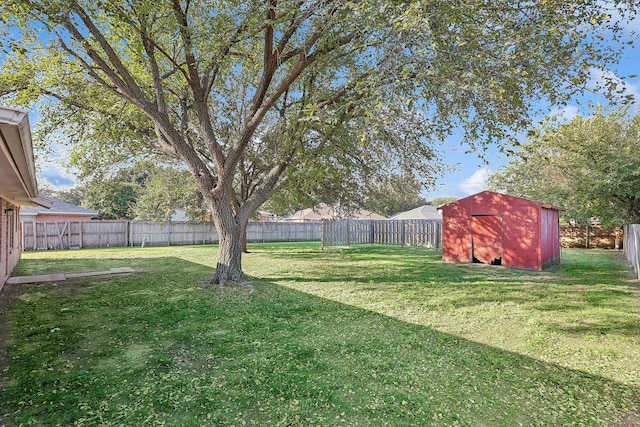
494	228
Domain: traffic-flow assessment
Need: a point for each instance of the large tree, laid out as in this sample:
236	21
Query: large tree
590	166
253	95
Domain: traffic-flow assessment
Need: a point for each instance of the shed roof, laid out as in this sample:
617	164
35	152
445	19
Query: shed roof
482	194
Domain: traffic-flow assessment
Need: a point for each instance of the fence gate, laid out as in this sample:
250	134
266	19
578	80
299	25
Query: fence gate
346	232
51	235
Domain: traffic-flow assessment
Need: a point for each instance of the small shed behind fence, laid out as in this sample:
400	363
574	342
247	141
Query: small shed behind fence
493	228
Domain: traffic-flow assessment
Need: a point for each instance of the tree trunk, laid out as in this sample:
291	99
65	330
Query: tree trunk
229	262
244	240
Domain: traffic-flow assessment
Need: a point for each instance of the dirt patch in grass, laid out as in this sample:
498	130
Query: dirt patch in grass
233	289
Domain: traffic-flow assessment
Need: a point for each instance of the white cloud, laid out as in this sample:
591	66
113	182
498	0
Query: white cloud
56	175
630	26
476	182
565	114
601	80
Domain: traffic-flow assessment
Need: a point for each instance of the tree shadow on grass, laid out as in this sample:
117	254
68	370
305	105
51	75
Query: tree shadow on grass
417	276
155	347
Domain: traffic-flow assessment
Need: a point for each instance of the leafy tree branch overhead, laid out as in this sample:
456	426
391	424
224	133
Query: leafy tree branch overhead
252	95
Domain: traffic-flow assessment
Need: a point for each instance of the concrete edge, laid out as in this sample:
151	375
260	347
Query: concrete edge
57	277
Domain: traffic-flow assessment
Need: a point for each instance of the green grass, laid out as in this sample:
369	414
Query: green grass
365	336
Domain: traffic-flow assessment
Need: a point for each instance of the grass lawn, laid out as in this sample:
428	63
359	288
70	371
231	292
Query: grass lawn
364	336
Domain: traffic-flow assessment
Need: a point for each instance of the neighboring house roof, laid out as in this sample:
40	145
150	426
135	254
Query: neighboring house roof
323	211
422	212
265	216
58	207
17	168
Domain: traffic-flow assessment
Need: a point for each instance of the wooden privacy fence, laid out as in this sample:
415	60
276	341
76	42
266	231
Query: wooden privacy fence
632	246
73	234
589	236
387	232
118	233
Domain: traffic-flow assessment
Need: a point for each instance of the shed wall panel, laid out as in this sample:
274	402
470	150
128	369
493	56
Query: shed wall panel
456	234
522	236
530	231
550	234
58	218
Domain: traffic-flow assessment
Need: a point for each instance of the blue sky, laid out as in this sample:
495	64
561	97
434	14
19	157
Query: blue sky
471	171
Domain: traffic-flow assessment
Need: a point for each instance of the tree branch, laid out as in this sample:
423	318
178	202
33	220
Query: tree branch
270	58
123	79
200	97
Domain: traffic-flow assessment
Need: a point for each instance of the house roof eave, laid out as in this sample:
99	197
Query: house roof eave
18	182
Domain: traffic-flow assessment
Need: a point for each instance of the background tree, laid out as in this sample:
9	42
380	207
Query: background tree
115	194
112	199
167	191
394	194
74	195
145	190
303	90
439	201
590	166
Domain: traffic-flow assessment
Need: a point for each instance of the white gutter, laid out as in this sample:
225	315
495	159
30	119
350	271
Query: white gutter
20	154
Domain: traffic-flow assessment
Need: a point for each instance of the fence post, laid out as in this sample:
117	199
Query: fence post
586	236
636	236
403	238
348	233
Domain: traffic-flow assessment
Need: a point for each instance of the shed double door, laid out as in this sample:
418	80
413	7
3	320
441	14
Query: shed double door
486	238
